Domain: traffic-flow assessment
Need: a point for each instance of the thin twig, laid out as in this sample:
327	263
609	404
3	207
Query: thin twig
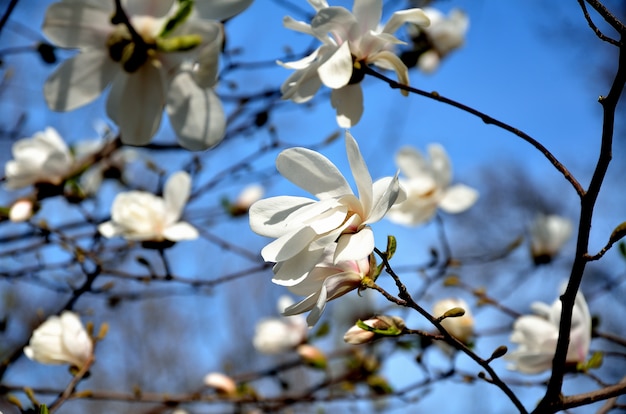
595	28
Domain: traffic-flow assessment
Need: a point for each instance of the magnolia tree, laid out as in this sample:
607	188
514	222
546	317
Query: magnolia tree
161	263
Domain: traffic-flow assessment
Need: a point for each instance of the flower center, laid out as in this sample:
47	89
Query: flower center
358	71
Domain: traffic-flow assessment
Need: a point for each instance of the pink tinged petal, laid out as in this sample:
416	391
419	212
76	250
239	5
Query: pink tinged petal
415	16
136	104
293	271
156	8
341	283
220	9
288	245
348	102
175	195
180	231
387	192
79	80
355	246
337	21
367	13
440	165
77	25
458	198
270	217
196	114
336	71
312	172
360	173
389	60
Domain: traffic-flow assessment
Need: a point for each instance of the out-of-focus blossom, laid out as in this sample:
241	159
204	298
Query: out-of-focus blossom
444	35
328	280
303	227
312	355
548	234
139	215
385	325
278	335
44	158
427	186
220	9
461	327
350	41
537	336
221	383
248	196
60	340
21	210
113	166
168	60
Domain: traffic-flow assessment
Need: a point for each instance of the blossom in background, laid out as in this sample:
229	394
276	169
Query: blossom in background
427	186
60	340
445	34
139	215
303	227
248	196
386	325
44	158
461	327
349	42
22	210
221	383
171	63
548	234
113	166
328	280
278	335
537	336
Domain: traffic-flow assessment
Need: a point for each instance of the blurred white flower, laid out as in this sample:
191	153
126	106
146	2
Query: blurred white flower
461	327
445	34
427	186
537	336
392	325
170	62
221	383
278	335
21	210
112	166
548	234
44	158
349	42
60	340
220	9
304	227
139	215
248	196
328	280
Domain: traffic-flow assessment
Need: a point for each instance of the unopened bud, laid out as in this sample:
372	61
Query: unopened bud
21	210
498	352
374	328
223	384
456	318
312	356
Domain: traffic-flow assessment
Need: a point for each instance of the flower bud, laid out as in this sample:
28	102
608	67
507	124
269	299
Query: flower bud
22	210
223	384
312	356
458	319
374	328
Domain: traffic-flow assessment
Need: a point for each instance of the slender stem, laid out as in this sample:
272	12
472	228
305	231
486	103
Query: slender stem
69	390
7	13
593	26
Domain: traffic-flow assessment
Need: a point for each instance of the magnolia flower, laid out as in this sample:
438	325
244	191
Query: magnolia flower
445	34
385	325
328	280
221	383
60	340
349	42
428	187
168	60
44	158
248	196
548	234
303	227
278	335
461	327
22	210
139	215
113	166
537	336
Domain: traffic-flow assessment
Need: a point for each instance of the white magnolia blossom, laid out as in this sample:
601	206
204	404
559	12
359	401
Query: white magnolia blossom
328	280
175	68
548	234
461	327
445	34
427	186
60	340
139	215
278	335
304	227
349	41
537	336
44	158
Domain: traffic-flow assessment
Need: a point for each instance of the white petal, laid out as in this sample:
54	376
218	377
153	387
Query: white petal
108	229
360	172
79	80
302	85
156	8
302	27
196	114
458	198
355	246
180	231
175	195
136	104
320	305
336	71
288	245
386	193
76	25
293	271
415	16
389	60
220	9
440	164
411	162
312	172
367	13
348	102
269	217
335	20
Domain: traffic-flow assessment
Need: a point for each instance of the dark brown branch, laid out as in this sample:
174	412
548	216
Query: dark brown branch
608	17
593	26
